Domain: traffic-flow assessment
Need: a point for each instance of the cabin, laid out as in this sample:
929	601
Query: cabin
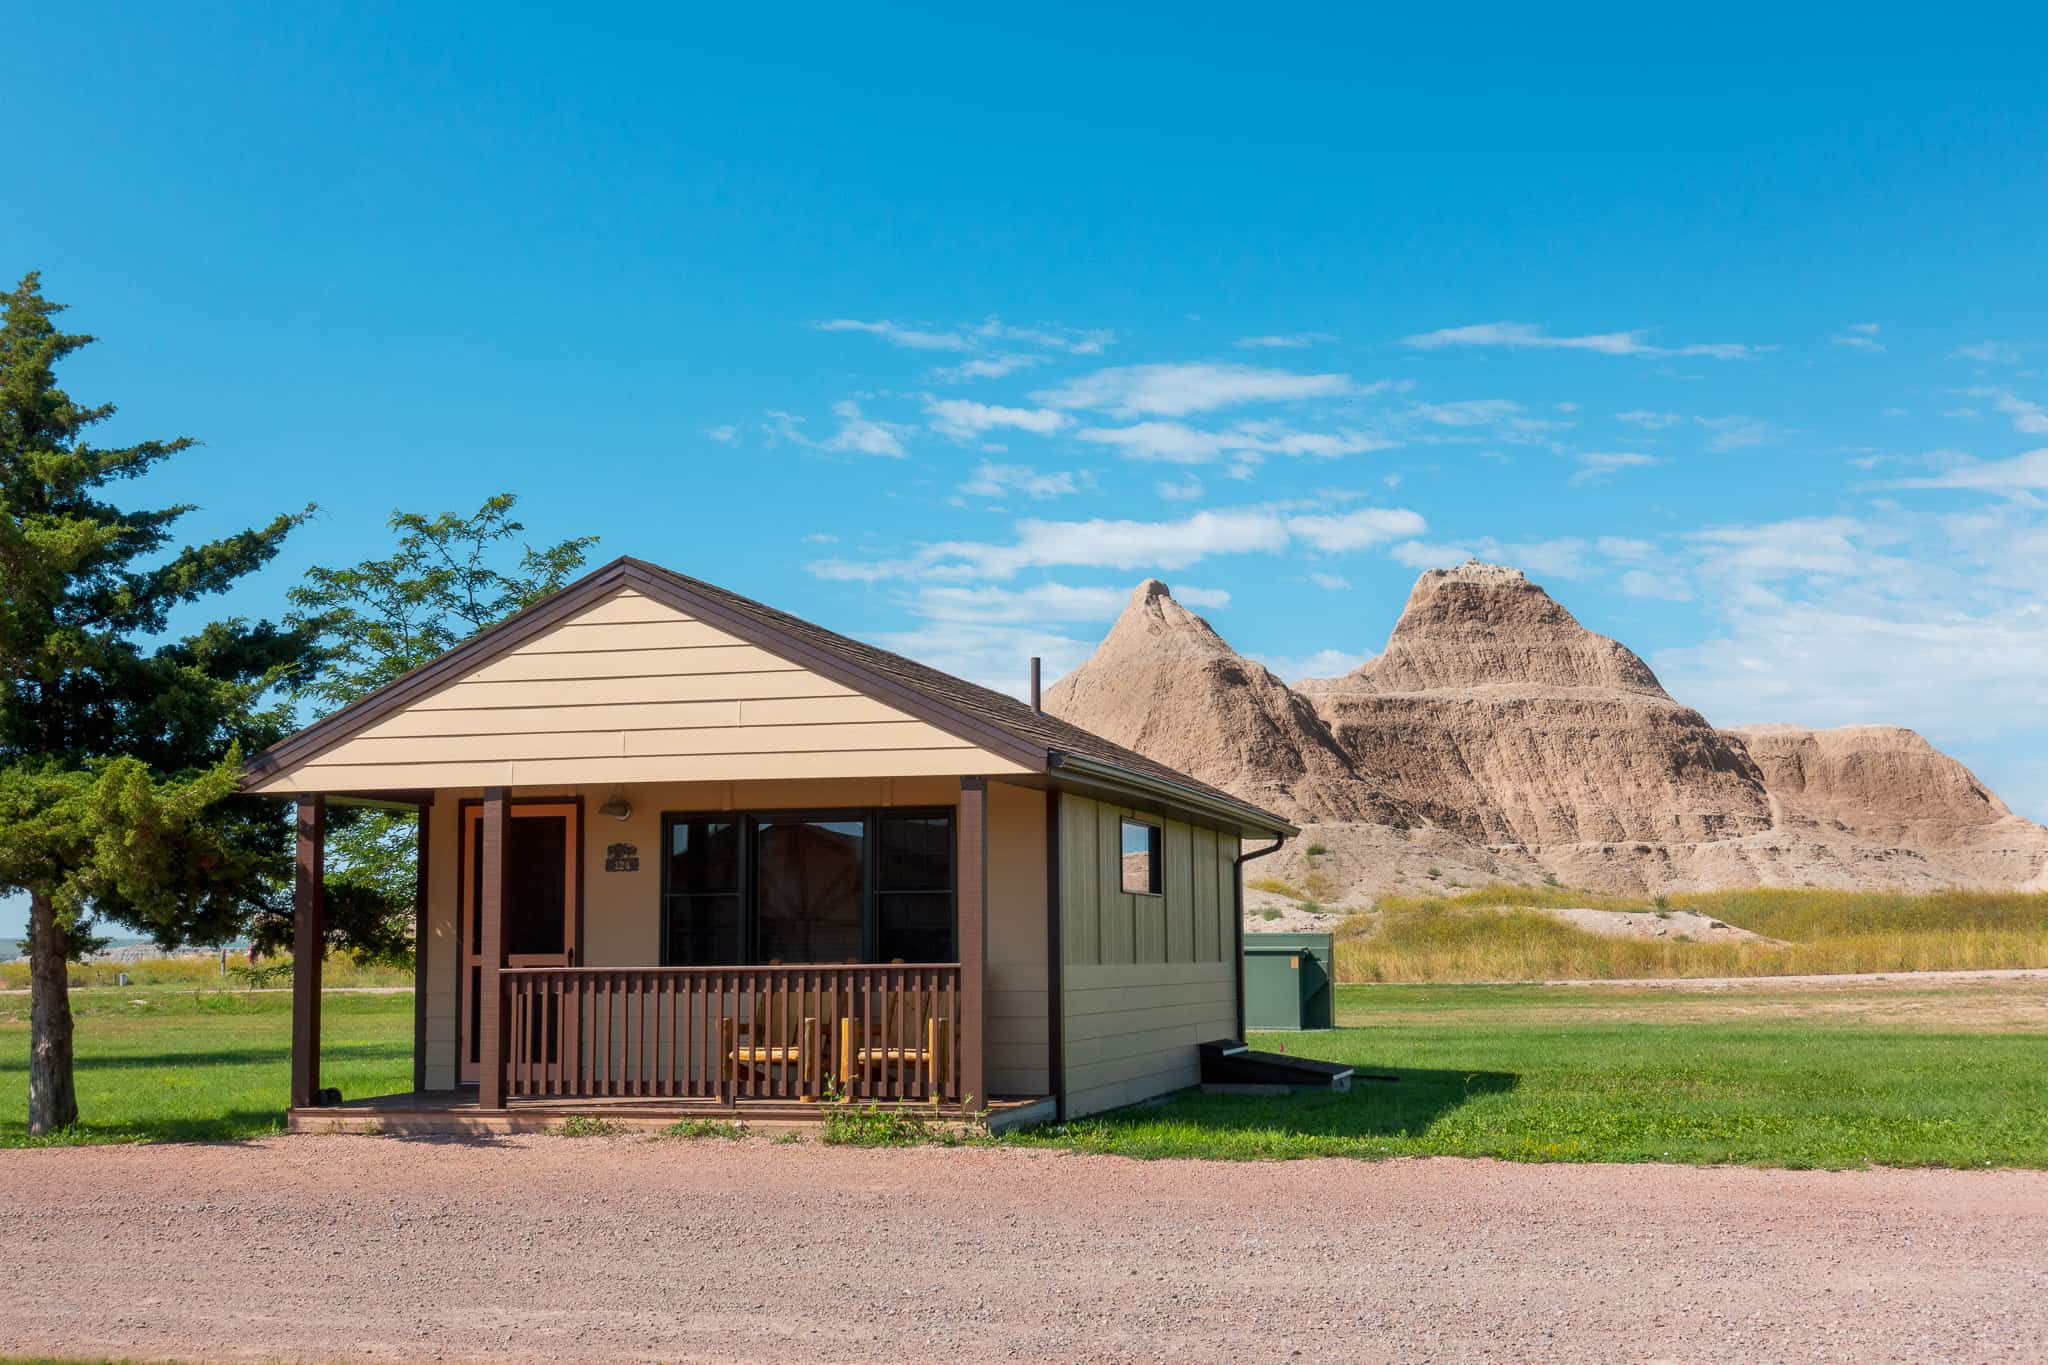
683	854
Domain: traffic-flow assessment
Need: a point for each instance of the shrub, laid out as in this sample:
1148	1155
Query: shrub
1269	913
1315	850
705	1128
870	1125
587	1125
1275	886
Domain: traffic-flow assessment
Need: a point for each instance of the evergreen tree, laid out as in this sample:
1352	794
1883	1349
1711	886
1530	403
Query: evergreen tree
119	743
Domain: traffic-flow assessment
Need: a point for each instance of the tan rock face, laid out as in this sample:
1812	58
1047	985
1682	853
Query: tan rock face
1496	737
1164	683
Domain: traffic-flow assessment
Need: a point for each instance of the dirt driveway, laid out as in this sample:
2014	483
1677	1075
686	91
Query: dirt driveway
337	1247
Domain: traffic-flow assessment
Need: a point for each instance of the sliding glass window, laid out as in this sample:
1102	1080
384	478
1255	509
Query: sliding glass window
809	887
702	923
810	880
914	889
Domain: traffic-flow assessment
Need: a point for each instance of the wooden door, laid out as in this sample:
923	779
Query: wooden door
542	875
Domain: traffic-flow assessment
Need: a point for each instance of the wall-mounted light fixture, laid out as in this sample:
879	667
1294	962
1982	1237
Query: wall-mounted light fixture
619	808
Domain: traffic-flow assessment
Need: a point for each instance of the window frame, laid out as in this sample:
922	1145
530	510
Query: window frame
871	818
1156	856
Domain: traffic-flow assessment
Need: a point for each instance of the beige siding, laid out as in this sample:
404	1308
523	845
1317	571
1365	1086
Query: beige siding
630	690
1015	1006
1146	978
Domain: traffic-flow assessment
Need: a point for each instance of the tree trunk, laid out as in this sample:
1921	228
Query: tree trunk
52	1098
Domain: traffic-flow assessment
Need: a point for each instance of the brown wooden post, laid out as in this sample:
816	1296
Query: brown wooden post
973	933
421	969
490	1090
309	943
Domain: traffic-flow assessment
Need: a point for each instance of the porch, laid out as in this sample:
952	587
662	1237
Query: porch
512	1022
455	1113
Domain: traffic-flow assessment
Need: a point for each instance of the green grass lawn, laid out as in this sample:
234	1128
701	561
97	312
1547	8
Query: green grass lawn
1900	1073
178	1064
1779	1076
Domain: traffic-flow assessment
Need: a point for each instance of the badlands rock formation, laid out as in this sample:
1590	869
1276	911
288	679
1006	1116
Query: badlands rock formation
1497	738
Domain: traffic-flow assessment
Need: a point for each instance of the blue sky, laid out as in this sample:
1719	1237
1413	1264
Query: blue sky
945	328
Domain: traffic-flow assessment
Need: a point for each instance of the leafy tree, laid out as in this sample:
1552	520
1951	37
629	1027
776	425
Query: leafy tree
447	578
119	742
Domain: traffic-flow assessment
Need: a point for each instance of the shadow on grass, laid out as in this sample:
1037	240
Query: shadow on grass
1300	1123
1405	1106
234	1125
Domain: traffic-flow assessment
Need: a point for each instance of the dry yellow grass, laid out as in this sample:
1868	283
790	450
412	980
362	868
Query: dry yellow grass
201	973
1495	933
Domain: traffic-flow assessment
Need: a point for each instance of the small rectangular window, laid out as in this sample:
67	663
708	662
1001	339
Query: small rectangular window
704	893
914	895
1141	858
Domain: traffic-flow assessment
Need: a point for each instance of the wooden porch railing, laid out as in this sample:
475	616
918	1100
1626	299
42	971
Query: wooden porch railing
869	1033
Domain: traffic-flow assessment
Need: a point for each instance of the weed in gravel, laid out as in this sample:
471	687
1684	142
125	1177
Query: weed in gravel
587	1125
705	1128
870	1125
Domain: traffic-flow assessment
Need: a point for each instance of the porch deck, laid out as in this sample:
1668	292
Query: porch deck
450	1113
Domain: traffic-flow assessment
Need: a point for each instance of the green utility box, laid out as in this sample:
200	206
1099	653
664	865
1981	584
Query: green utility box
1287	981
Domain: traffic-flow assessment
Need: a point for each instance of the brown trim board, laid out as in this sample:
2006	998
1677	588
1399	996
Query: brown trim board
422	883
1055	961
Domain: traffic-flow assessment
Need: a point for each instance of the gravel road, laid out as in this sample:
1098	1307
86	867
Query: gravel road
599	1248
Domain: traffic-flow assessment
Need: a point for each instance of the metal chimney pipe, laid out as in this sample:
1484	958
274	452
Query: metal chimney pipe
1035	702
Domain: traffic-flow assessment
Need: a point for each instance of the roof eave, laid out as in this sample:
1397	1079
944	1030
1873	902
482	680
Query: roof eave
1247	818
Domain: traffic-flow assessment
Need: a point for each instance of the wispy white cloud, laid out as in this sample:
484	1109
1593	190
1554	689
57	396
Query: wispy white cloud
1001	480
1330	582
1597	466
962	419
857	433
916	338
1185	489
1650	421
1178	390
1177	443
1103	543
1357	529
1764	552
1468	412
1052	336
1988	353
2028	417
994	655
986	367
1285	341
1858	336
1735	432
1533	336
1624	548
2026	473
725	434
1666	585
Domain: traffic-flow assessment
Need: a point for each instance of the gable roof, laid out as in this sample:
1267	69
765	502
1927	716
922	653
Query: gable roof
983	717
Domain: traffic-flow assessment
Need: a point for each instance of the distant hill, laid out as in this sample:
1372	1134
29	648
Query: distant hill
1496	738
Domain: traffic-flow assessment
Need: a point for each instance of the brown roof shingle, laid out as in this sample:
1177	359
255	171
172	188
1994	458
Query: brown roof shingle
985	717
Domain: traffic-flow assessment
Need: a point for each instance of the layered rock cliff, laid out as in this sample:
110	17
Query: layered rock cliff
1496	737
1163	682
